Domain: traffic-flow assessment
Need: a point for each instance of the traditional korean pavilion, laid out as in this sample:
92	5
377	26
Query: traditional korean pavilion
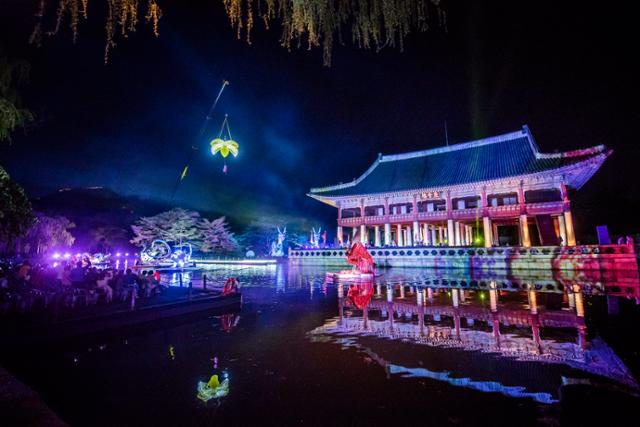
494	191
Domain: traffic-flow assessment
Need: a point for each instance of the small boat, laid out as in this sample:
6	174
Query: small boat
351	275
362	263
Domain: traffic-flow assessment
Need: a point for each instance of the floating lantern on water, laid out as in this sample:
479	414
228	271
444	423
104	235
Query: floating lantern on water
214	389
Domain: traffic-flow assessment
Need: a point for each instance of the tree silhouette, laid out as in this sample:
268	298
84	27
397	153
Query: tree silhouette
12	74
16	215
180	226
47	232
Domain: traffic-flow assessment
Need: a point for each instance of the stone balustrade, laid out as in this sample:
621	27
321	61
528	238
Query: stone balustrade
574	258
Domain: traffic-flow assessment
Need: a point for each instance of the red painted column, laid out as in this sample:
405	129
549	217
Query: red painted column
496	329
420	313
450	227
582	337
386	209
568	218
339	227
521	201
535	331
565	196
363	227
485	210
486	222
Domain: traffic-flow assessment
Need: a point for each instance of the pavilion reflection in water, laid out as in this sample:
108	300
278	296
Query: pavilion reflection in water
510	322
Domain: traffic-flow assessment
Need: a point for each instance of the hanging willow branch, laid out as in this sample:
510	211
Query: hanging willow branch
121	17
373	24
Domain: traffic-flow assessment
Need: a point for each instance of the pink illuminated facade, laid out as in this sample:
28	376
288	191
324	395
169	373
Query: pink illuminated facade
491	192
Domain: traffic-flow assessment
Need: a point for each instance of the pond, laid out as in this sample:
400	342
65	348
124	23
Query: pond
447	347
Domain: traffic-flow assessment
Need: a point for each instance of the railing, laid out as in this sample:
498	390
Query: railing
434	215
467	213
401	217
375	220
350	221
461	251
544	207
504	210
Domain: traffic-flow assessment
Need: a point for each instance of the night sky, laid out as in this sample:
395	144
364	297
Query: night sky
565	70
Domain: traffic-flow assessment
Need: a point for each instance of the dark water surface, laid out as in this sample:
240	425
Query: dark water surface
514	349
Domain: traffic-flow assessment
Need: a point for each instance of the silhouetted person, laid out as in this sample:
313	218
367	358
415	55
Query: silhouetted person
77	275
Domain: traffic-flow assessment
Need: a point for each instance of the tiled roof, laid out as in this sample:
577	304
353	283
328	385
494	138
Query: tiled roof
503	156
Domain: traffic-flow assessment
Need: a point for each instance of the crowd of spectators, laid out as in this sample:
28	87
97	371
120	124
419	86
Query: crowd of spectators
22	283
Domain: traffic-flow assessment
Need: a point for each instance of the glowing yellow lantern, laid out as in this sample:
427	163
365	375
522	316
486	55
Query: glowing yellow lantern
224	147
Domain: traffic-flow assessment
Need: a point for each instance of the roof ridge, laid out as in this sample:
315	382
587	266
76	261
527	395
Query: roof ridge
457	147
581	152
524	132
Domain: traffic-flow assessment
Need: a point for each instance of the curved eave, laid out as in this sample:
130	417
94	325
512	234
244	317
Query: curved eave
581	172
331	201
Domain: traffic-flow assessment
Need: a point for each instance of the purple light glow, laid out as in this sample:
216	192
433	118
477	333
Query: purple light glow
118	254
56	255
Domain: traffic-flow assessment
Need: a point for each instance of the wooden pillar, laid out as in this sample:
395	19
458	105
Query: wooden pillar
450	233
579	303
386	209
521	200
486	221
563	230
376	239
387	234
415	207
339	229
525	240
568	223
493	296
533	301
341	303
486	226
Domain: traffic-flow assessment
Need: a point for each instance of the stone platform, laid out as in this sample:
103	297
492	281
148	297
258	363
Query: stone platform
585	257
